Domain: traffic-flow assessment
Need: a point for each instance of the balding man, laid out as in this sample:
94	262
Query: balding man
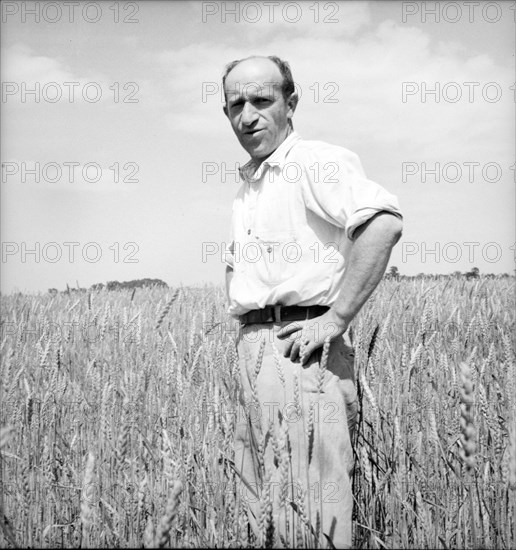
311	238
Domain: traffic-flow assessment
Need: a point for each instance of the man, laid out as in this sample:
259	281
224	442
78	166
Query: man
311	239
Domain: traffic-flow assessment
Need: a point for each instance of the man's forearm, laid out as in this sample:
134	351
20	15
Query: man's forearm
366	264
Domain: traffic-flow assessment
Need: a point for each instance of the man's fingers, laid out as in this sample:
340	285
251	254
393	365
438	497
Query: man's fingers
288	330
292	348
306	355
288	347
294	353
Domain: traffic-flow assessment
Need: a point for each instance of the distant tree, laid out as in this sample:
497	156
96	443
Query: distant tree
137	283
473	274
53	291
394	273
97	286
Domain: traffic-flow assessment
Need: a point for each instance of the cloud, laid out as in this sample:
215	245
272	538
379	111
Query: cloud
51	78
353	88
259	22
20	63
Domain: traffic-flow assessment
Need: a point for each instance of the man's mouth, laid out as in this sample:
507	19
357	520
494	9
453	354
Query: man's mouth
253	132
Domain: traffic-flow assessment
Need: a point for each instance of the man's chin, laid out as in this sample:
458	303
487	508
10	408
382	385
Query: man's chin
259	153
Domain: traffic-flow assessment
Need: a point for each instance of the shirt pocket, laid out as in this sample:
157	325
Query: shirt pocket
279	252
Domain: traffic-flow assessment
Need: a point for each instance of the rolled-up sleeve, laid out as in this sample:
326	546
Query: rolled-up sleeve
337	189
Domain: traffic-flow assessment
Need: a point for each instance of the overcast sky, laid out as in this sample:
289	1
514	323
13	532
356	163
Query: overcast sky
147	109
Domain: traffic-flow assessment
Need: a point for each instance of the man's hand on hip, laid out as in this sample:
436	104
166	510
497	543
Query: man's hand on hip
310	335
365	267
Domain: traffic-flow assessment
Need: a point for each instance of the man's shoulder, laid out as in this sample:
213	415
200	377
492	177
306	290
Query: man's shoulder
308	149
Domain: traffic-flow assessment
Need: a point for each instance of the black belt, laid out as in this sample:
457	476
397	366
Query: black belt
277	314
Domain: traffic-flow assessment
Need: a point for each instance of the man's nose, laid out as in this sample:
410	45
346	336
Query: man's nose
249	114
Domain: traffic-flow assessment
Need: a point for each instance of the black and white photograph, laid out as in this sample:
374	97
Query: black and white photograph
258	274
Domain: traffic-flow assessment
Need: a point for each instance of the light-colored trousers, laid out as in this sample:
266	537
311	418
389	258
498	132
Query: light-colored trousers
293	450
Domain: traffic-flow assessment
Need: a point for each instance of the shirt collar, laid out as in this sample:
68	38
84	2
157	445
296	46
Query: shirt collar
252	172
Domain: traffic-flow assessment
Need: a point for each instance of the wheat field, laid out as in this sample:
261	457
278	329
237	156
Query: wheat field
118	417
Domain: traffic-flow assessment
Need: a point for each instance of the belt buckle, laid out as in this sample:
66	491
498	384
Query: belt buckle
277	314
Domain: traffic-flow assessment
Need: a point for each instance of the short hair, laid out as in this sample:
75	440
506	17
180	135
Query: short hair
287	86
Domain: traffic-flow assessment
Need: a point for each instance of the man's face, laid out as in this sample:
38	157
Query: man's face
256	108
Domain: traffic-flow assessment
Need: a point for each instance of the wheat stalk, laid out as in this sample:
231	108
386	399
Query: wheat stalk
259	359
321	371
369	394
266	521
468	432
88	491
167	520
512	457
166	309
278	364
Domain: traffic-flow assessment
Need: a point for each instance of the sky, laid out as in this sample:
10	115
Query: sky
118	162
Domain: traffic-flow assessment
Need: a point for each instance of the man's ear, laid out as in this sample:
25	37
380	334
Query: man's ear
292	103
225	109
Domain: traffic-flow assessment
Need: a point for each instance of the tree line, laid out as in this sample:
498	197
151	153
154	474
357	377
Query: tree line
473	273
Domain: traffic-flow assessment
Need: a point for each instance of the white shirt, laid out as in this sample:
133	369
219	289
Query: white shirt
293	222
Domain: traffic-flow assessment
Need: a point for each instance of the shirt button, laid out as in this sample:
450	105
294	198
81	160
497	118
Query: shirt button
248	231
